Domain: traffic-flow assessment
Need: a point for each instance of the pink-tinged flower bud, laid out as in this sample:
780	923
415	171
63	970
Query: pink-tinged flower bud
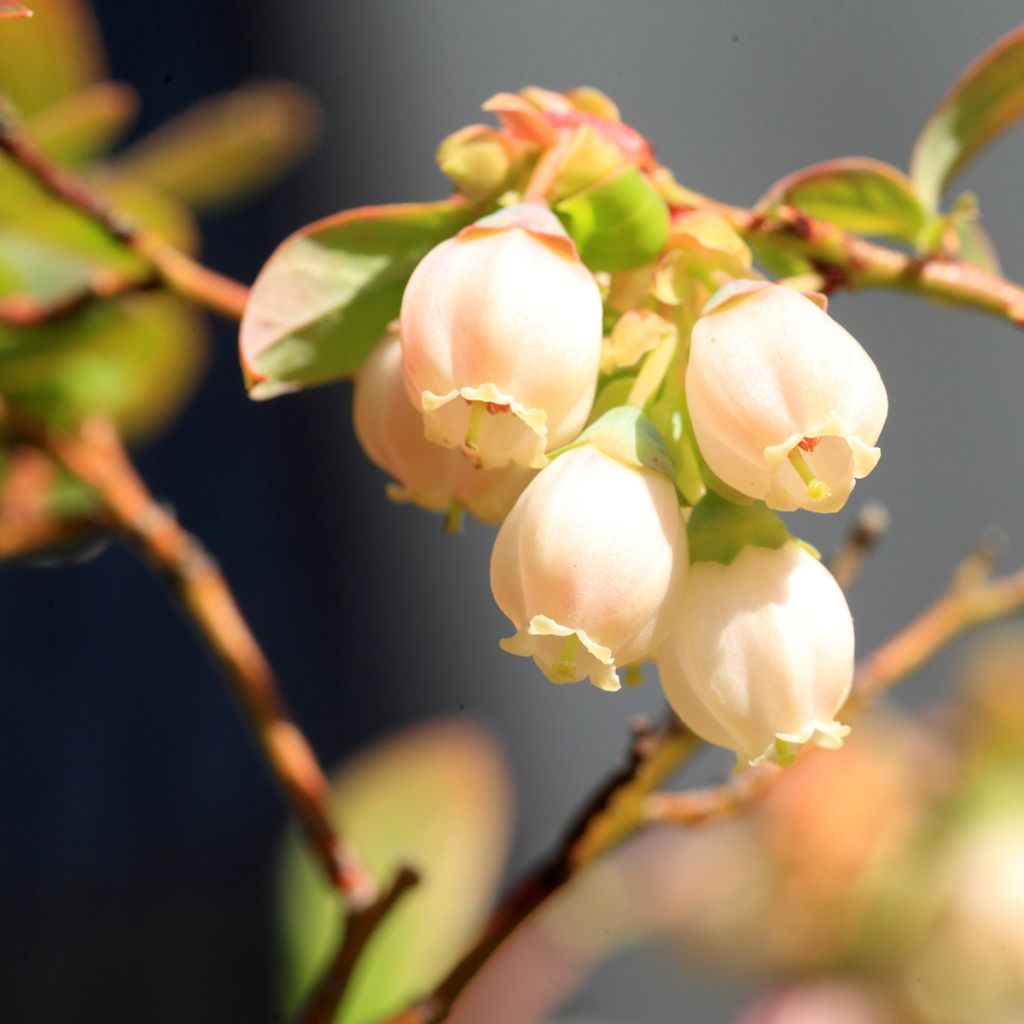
390	430
589	563
828	1001
760	658
786	405
501	338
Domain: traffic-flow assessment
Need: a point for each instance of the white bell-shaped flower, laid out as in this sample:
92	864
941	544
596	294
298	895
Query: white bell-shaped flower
760	658
786	405
390	431
501	338
589	563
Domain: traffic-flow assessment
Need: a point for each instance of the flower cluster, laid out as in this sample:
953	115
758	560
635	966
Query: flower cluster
632	416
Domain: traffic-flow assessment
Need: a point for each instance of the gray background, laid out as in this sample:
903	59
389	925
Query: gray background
137	876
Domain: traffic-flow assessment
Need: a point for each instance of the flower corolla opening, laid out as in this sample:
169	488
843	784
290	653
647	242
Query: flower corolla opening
786	405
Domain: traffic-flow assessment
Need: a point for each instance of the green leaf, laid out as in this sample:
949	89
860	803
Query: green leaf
52	54
226	146
982	104
719	529
86	124
976	246
49	251
136	360
327	294
866	197
436	796
619	224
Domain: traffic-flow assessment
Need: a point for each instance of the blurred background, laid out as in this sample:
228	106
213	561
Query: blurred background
139	828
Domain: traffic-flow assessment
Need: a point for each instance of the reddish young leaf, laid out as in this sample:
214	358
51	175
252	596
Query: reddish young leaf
982	104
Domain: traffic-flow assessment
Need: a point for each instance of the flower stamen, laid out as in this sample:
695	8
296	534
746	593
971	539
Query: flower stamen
565	667
817	490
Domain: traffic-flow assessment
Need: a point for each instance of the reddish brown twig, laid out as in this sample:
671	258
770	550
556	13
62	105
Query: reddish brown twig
323	1002
177	271
611	815
96	456
842	260
847	561
27	311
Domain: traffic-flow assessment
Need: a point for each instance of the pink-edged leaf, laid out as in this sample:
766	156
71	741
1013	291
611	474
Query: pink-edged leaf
982	104
865	196
14	11
326	296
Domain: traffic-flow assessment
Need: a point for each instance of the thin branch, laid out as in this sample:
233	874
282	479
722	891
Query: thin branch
28	311
323	1002
613	813
847	561
972	599
96	456
715	803
841	260
177	271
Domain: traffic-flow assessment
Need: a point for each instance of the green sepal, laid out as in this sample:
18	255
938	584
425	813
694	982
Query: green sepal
628	435
617	225
719	529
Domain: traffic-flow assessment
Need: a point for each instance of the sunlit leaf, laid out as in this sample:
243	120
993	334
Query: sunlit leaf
226	146
85	124
135	360
619	224
56	52
327	294
858	194
437	796
14	11
982	104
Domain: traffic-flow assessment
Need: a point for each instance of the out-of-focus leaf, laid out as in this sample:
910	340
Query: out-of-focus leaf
49	251
14	11
135	360
982	104
976	247
327	294
84	125
858	194
56	52
436	796
619	224
226	146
